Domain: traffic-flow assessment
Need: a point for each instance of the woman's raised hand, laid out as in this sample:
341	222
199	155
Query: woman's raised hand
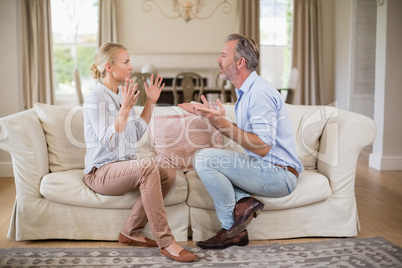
154	89
129	94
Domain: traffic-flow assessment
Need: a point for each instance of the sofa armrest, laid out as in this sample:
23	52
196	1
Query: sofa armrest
22	136
344	137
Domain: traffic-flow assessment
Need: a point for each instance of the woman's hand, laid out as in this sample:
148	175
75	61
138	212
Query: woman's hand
129	95
154	90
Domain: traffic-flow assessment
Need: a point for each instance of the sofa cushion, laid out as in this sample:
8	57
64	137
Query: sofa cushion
64	130
177	135
68	187
308	124
311	187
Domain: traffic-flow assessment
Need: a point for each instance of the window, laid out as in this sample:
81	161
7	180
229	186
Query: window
75	31
275	41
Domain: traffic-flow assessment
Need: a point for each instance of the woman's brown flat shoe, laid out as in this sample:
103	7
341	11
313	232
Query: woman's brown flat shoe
185	255
149	243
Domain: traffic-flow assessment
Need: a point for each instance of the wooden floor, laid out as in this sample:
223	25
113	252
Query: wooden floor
379	201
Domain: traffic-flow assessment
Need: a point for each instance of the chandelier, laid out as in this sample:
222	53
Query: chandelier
187	9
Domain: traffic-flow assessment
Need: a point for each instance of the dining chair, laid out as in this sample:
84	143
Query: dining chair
223	84
191	85
77	81
140	78
292	87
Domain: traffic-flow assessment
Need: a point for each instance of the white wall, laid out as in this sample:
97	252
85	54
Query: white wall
10	69
387	148
151	32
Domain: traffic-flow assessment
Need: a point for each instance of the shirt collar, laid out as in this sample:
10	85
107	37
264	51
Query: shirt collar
116	97
245	87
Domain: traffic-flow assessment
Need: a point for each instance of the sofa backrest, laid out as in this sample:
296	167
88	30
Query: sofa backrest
308	123
64	132
63	127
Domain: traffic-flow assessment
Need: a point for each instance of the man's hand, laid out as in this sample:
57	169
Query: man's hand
217	118
193	107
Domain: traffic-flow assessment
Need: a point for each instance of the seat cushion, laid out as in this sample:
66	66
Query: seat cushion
311	187
68	187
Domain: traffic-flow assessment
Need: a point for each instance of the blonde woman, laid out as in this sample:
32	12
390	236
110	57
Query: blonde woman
111	167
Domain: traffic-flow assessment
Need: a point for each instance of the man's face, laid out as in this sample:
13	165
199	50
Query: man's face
227	63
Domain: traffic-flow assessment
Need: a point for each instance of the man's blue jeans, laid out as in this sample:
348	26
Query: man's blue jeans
229	176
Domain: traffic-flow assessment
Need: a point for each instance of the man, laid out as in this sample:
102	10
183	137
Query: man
268	168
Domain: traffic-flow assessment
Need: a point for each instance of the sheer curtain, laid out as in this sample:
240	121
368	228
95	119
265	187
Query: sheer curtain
307	51
37	77
249	14
107	22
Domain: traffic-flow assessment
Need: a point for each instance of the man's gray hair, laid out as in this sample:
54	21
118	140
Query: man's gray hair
246	48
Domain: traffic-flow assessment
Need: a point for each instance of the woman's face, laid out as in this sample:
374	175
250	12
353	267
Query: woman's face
121	67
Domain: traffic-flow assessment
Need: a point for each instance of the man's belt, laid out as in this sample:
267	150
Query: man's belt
294	171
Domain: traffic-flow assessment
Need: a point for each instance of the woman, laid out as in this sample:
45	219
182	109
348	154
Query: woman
111	167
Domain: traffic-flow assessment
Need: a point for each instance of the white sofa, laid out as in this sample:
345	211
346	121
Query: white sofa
52	202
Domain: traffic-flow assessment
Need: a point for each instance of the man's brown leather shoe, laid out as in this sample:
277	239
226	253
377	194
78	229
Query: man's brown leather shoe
125	240
221	240
245	210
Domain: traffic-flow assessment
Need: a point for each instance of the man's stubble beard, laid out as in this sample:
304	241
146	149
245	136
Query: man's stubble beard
230	73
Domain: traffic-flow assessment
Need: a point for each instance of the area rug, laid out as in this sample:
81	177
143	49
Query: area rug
356	252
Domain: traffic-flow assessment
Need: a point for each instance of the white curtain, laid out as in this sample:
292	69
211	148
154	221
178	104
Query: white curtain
37	76
307	51
107	22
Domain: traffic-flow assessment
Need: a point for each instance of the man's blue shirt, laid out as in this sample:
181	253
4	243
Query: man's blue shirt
260	109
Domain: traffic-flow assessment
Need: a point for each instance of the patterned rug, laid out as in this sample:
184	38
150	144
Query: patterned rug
357	252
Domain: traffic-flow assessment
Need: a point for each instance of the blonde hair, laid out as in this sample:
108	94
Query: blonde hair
106	53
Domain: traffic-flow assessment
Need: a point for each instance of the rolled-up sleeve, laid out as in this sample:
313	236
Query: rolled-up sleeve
263	119
135	129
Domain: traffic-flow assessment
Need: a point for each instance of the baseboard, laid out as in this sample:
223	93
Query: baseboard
6	169
385	162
